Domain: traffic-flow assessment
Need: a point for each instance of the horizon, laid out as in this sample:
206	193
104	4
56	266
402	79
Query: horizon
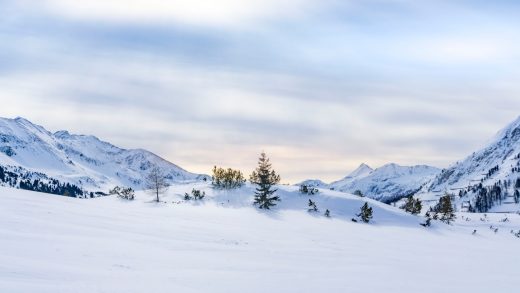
321	87
246	170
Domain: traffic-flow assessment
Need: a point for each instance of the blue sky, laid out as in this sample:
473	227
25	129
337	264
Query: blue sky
321	86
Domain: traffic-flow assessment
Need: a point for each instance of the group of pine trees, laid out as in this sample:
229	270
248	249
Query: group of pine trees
304	189
227	178
123	192
443	211
21	178
412	205
195	195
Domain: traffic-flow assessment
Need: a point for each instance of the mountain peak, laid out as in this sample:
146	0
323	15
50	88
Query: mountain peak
360	171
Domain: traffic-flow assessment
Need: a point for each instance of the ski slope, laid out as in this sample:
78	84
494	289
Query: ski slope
58	244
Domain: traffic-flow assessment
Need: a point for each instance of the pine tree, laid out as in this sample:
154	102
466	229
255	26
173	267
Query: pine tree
445	209
428	221
312	206
412	205
265	178
366	213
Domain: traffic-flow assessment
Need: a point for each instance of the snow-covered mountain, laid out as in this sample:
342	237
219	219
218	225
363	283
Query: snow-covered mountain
490	173
362	171
387	183
82	160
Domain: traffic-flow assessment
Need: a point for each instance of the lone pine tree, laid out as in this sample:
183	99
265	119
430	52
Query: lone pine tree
312	206
265	178
366	213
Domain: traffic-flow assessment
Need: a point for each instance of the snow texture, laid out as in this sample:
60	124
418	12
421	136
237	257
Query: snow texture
223	244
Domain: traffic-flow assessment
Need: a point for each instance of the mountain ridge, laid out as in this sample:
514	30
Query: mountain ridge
84	160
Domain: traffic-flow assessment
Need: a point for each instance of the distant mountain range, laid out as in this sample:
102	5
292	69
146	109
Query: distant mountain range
388	183
33	158
82	160
487	180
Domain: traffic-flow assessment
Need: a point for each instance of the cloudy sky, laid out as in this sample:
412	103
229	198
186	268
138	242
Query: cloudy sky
321	85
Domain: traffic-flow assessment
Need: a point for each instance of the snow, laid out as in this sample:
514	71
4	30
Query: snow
388	182
82	160
502	151
222	244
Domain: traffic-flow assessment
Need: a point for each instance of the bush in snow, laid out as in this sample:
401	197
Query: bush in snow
265	179
304	189
195	194
358	193
122	192
412	205
327	213
428	221
312	206
366	213
227	178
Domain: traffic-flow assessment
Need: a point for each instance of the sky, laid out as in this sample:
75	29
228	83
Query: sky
320	86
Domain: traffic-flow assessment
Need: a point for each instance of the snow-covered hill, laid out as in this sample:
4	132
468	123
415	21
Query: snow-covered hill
82	160
223	244
491	172
387	183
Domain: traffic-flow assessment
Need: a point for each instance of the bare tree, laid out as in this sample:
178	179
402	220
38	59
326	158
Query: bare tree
156	182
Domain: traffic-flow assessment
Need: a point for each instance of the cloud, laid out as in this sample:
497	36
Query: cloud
191	12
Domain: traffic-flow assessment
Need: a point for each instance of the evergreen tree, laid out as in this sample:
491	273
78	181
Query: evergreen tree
412	205
312	206
428	221
366	213
327	213
227	178
265	179
445	209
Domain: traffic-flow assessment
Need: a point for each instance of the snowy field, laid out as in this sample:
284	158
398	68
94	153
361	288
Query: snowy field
56	244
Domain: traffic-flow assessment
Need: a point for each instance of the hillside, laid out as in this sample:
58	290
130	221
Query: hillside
82	160
222	244
486	180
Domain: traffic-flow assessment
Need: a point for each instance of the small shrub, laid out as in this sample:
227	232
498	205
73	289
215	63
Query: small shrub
123	193
312	206
359	193
304	189
327	213
195	195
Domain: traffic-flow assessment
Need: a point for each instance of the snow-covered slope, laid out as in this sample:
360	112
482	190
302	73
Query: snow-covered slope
79	159
222	244
497	164
313	183
387	183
